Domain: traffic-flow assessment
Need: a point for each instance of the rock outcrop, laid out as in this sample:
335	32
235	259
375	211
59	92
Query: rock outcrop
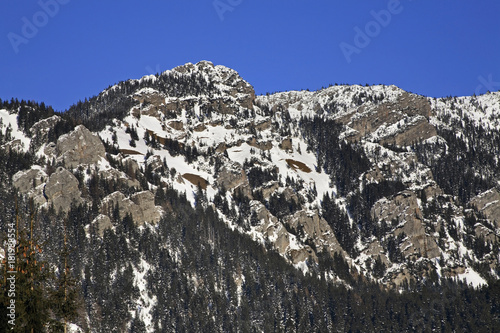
41	129
79	147
62	189
25	181
403	210
233	177
316	230
101	223
488	203
140	206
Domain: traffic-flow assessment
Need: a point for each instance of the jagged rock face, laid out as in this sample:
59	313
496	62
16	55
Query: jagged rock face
150	96
40	130
31	182
148	212
120	177
154	162
489	204
316	229
80	147
228	80
268	190
177	125
50	149
417	131
26	181
62	190
408	117
232	177
282	241
153	103
404	210
140	205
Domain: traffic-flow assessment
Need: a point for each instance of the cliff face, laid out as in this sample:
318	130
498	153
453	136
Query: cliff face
373	185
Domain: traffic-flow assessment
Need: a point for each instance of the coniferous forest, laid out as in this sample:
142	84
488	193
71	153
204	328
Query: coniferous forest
195	286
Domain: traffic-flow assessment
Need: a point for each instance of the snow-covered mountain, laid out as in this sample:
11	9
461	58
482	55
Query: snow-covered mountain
370	182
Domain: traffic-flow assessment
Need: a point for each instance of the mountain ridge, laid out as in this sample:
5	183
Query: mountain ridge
404	188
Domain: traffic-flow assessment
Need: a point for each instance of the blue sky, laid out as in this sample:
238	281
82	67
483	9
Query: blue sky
61	51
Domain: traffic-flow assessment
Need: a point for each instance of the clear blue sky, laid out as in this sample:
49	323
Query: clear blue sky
434	48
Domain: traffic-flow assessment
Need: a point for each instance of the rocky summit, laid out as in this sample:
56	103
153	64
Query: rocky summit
345	184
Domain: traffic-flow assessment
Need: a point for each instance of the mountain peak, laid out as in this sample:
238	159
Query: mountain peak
225	78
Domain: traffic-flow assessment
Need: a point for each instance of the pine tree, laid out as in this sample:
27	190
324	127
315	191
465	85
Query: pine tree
64	298
32	301
36	307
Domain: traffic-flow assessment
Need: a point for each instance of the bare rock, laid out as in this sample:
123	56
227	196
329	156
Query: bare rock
147	211
315	229
232	177
152	103
102	222
485	233
263	125
140	206
268	145
80	147
410	115
149	96
286	145
240	93
221	148
116	198
282	240
200	128
50	150
404	207
488	203
40	130
177	125
417	132
269	189
154	162
26	181
300	255
277	234
122	178
433	191
265	216
62	189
